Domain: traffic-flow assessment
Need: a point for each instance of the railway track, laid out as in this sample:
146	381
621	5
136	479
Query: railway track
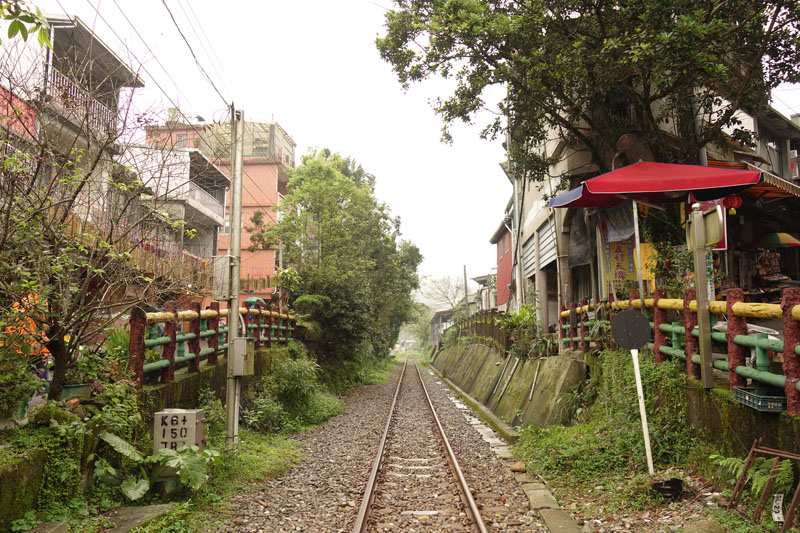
415	478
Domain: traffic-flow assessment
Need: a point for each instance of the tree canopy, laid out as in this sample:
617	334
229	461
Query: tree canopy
592	71
356	274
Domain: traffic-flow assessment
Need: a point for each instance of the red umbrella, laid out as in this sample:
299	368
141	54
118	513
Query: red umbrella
657	183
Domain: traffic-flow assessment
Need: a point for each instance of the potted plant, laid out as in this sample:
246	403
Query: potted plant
98	365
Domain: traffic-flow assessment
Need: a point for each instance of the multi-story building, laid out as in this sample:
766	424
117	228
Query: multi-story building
67	109
559	251
267	159
190	189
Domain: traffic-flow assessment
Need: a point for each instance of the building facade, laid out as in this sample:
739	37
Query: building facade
269	156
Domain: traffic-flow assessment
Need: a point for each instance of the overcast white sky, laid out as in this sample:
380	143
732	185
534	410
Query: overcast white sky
312	66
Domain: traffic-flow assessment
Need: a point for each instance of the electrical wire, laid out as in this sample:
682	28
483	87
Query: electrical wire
221	72
191	50
163	68
265	209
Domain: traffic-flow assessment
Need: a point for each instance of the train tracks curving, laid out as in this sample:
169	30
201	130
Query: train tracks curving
415	477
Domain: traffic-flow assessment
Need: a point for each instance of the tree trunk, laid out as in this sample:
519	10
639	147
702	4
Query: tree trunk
58	350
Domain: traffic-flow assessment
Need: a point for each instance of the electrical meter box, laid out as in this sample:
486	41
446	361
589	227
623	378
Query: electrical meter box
221	284
244	356
173	428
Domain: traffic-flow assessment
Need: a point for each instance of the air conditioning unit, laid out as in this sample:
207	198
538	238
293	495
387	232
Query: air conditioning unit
793	164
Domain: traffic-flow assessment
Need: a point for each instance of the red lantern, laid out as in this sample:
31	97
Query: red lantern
732	202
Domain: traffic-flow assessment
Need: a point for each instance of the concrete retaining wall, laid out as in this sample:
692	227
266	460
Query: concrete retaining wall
483	374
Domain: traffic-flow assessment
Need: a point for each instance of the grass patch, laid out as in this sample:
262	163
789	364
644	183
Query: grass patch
341	376
602	455
257	458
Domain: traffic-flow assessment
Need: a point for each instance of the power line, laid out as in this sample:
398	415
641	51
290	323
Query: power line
197	61
221	72
163	68
163	91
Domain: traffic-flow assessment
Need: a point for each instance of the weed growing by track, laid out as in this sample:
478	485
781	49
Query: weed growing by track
603	452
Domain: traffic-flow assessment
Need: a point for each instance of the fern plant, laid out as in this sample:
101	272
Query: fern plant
758	474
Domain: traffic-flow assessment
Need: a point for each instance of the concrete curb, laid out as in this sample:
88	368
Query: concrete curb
540	499
508	433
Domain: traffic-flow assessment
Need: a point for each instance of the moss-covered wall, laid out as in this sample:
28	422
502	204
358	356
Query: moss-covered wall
733	426
505	387
482	373
20	481
182	393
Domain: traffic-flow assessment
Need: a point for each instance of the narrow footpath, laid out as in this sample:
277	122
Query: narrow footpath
324	491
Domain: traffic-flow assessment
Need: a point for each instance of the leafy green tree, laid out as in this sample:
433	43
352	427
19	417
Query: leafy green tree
24	20
592	71
420	324
356	275
260	238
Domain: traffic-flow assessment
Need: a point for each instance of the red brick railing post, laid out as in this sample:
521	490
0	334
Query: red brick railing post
611	344
573	329
213	340
138	322
633	294
562	333
791	338
193	365
259	325
737	325
659	317
170	330
584	316
692	343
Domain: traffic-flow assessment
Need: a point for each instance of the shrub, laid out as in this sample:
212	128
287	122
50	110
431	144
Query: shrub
293	381
321	407
213	413
264	415
17	383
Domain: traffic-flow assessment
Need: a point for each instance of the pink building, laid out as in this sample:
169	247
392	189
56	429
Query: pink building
268	158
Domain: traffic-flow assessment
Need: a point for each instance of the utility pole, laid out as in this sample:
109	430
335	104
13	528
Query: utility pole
234	249
466	293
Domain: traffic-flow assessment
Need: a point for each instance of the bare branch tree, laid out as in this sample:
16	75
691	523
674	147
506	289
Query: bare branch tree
90	225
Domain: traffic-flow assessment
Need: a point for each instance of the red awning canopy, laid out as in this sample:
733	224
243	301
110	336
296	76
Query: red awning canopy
657	183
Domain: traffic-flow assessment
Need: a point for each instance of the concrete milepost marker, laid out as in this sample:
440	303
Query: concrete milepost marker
631	330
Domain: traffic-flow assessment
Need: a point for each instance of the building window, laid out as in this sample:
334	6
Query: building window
226	228
261	147
182	140
508	240
500	249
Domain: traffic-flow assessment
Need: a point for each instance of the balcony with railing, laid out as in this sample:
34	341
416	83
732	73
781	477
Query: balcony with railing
77	101
203	199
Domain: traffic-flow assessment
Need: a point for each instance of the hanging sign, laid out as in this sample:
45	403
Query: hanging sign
716	224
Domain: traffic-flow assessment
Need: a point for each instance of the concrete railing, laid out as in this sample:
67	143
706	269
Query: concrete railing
206	337
682	341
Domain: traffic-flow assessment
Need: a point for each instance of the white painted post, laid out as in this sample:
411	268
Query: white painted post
642	412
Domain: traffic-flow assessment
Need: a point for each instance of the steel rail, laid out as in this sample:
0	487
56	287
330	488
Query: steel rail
369	493
466	495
